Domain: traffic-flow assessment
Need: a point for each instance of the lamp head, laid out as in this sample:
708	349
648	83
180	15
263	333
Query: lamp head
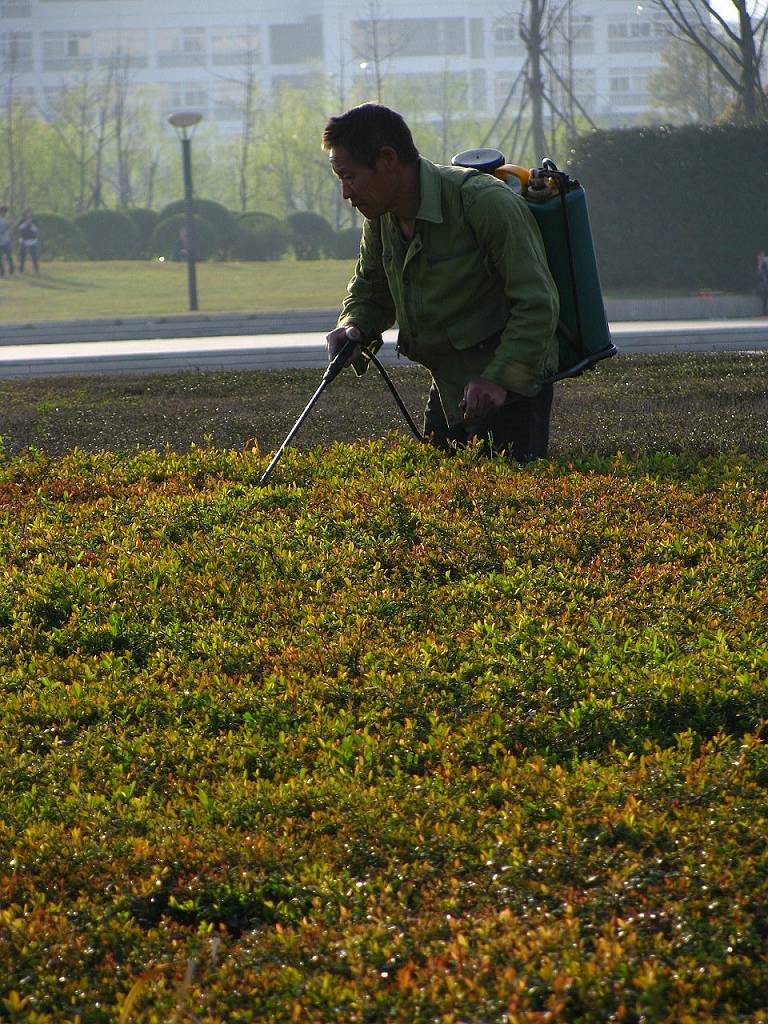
184	120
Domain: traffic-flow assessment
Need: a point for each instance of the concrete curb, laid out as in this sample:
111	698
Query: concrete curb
707	306
190	325
307	349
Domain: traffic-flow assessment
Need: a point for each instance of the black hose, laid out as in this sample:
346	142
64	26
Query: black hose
396	395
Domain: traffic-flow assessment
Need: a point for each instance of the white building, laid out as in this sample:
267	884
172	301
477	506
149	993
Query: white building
197	52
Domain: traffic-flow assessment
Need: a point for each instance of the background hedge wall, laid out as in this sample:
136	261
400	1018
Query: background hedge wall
219	219
684	208
111	235
60	238
166	233
260	236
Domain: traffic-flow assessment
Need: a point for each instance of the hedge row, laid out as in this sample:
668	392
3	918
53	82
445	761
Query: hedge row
218	233
676	207
398	738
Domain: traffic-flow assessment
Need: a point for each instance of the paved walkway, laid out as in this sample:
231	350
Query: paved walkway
306	348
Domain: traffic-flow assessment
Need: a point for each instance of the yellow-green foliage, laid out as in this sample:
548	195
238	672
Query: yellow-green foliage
399	738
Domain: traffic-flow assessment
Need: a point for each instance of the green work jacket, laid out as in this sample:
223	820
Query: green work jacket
471	292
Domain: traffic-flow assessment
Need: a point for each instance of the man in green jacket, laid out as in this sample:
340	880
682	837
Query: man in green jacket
456	259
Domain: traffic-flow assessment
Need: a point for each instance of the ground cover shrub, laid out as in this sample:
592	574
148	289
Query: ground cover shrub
111	235
400	738
693	404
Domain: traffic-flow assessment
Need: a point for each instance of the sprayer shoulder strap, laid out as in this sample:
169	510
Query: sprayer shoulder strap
475	187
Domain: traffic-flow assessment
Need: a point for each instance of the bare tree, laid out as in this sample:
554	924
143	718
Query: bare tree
531	32
243	95
122	121
71	115
734	45
291	165
686	87
250	92
119	133
376	41
540	24
81	115
16	110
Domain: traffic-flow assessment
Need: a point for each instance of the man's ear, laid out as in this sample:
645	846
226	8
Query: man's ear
387	157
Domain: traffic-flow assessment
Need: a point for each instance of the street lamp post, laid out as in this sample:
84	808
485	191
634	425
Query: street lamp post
184	122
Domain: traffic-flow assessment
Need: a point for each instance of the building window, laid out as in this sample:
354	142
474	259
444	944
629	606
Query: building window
128	45
67	51
409	37
628	86
184	96
235	46
296	43
15	9
506	38
228	99
476	37
576	36
181	47
636	34
16	51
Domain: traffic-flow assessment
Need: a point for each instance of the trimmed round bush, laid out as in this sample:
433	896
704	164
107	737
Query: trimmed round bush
260	236
166	234
313	236
111	234
146	222
219	218
348	244
60	238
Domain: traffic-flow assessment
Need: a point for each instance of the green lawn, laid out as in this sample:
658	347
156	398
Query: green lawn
89	290
66	291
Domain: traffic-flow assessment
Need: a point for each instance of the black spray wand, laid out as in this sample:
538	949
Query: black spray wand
334	369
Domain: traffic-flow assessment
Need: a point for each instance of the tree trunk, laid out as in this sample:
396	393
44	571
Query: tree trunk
534	43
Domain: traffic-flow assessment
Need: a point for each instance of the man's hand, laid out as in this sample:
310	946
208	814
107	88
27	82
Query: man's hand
337	339
482	398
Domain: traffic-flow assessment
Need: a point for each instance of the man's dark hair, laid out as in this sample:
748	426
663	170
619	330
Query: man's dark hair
363	130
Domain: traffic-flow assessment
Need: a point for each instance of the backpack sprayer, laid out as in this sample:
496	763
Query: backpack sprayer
559	206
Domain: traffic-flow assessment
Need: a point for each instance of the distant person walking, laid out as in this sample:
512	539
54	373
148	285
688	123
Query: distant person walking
28	240
6	249
761	280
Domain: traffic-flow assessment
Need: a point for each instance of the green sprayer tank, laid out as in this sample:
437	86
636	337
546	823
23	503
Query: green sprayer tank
559	206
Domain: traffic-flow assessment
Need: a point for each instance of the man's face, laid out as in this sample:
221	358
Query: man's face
371	190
